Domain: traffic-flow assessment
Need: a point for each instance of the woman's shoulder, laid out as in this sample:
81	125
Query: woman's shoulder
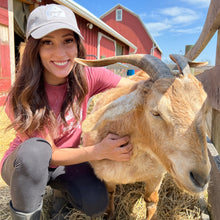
96	70
101	73
100	79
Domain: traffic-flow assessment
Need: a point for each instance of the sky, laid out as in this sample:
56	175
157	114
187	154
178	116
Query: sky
172	23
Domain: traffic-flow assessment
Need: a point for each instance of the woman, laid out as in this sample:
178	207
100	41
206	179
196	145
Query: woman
47	105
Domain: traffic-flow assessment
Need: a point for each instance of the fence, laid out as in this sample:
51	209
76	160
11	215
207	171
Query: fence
121	69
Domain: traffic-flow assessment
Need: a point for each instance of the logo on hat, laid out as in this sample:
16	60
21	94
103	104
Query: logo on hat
55	12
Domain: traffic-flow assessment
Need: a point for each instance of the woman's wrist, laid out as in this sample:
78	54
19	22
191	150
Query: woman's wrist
93	153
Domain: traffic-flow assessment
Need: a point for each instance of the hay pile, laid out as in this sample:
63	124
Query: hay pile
4	200
174	204
177	204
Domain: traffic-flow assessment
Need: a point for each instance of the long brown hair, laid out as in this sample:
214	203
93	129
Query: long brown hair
28	100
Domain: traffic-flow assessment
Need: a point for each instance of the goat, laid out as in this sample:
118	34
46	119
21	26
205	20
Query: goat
164	117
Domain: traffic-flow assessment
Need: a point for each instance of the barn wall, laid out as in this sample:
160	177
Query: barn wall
90	36
157	53
95	47
132	29
4	4
5	73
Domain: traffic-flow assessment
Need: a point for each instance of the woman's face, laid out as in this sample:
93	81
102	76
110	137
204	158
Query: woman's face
57	52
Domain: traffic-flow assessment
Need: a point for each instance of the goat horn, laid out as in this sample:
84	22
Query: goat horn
197	64
184	64
149	64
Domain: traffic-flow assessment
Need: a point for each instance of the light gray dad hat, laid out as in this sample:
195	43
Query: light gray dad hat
48	18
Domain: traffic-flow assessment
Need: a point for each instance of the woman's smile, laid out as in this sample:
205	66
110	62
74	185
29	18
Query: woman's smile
60	63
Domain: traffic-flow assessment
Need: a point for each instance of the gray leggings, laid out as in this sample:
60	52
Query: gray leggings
27	173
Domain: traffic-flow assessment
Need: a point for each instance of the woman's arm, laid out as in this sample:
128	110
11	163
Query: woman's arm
109	148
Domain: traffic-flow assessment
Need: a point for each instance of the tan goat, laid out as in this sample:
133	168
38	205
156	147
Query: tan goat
164	117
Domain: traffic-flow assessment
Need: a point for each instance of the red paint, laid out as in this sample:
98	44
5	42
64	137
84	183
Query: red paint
157	53
90	36
5	73
91	40
3	16
5	84
4	4
107	47
2	100
5	61
132	28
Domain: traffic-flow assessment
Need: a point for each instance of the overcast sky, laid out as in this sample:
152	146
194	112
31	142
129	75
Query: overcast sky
172	23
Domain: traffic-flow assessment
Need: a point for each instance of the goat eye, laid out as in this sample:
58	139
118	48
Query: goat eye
156	114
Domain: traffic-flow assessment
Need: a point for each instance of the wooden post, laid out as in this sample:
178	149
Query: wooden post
11	39
217	59
215	133
214	185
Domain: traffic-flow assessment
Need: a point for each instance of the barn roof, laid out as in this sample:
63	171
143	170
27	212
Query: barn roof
83	12
131	12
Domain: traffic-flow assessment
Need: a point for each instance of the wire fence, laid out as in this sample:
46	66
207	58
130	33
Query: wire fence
121	69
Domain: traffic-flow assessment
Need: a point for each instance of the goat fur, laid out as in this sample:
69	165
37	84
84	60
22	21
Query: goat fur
165	121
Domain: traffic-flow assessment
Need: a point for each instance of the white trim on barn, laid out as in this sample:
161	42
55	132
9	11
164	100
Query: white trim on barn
11	39
4	33
118	14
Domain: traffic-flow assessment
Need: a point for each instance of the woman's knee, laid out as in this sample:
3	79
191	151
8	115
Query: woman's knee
93	202
34	154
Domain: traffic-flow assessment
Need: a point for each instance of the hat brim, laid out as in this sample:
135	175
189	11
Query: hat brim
44	30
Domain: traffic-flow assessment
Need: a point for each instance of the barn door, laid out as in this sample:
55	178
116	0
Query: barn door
106	46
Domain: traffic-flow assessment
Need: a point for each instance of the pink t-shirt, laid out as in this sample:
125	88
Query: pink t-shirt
99	79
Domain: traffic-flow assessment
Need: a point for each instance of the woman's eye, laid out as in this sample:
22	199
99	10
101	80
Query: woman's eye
70	40
46	42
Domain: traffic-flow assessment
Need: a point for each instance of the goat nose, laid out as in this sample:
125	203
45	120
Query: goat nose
200	180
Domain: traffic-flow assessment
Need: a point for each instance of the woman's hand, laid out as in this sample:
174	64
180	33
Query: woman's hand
114	147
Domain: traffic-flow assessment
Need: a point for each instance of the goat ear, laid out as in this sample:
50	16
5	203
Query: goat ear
112	111
146	85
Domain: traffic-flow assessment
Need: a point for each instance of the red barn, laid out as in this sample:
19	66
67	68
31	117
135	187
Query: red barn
5	69
129	25
100	39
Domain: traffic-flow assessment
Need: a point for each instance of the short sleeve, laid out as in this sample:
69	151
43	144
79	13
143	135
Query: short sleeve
100	79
